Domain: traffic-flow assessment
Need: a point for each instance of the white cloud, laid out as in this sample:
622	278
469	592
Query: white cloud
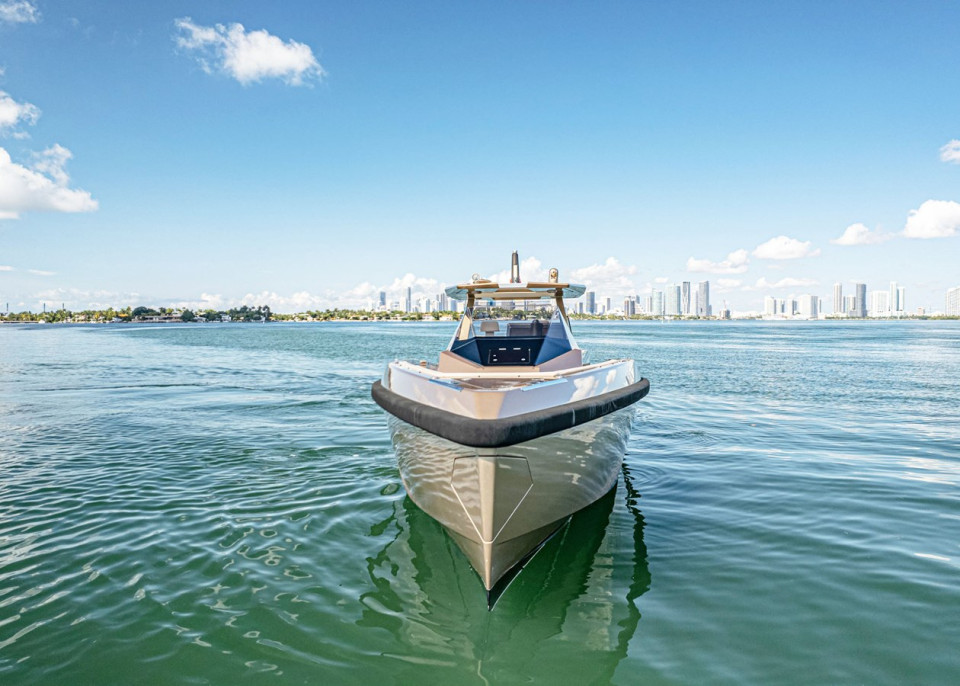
531	269
951	152
609	278
736	263
661	279
248	56
40	272
41	188
52	162
300	301
77	299
362	292
934	219
860	234
724	285
419	287
788	282
784	248
5	268
19	12
367	293
297	302
13	113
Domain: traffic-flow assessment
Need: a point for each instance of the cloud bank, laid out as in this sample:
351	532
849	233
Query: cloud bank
951	152
608	278
248	56
789	282
13	113
785	248
933	219
736	263
19	12
859	234
42	187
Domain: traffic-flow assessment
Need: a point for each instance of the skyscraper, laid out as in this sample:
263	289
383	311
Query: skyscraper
953	302
671	305
408	303
629	307
808	306
591	302
383	299
838	298
849	305
769	305
879	304
703	299
860	300
657	303
893	299
685	298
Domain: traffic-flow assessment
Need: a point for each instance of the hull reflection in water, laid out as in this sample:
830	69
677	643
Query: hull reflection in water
501	504
576	599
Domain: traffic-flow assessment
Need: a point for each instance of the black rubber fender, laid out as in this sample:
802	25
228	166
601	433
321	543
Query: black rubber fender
497	433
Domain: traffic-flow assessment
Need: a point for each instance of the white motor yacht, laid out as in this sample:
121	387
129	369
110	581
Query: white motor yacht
512	431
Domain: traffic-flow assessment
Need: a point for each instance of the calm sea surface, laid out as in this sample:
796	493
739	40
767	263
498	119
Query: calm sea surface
220	504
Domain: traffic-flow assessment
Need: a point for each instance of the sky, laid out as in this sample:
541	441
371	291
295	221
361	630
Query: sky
306	155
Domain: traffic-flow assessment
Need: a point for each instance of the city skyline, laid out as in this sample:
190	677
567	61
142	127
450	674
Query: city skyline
656	300
309	155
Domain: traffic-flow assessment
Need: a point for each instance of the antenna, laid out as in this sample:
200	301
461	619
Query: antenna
515	268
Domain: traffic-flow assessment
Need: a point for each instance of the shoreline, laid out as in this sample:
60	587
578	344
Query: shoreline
431	320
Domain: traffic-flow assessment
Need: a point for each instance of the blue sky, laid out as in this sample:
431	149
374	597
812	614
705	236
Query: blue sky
306	155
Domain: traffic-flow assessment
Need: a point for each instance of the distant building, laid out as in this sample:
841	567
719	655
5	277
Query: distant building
656	304
383	299
703	299
879	304
591	305
860	300
672	301
838	298
953	302
444	302
769	306
408	303
629	307
608	305
685	299
808	306
849	304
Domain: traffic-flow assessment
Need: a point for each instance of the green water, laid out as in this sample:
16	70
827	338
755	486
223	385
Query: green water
220	504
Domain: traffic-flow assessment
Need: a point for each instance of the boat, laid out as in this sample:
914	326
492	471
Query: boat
512	430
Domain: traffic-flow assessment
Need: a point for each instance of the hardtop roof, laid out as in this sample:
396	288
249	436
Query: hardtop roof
533	290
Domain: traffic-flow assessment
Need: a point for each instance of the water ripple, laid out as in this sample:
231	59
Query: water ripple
213	504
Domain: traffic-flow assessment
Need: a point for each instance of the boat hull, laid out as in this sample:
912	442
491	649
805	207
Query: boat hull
499	504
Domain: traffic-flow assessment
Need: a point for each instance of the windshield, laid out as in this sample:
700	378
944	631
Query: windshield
498	334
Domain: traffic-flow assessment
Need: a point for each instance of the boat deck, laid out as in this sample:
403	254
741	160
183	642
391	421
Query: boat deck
498	379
